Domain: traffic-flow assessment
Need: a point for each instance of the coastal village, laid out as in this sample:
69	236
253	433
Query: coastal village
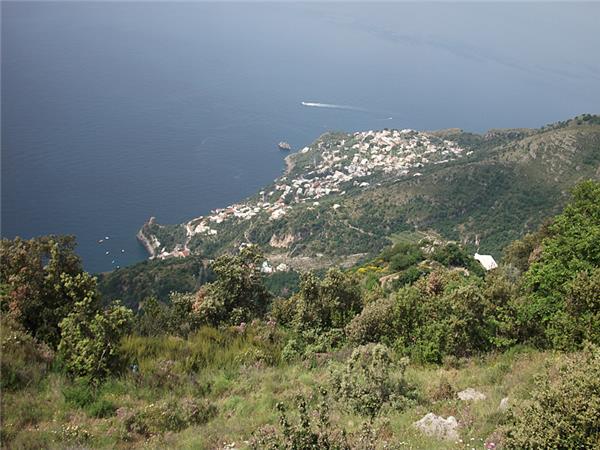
330	167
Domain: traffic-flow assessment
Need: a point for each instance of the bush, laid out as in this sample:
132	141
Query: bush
443	390
101	408
283	310
307	343
580	321
370	379
452	255
32	279
328	303
24	360
313	430
563	409
442	314
238	294
374	324
90	336
81	393
571	249
171	415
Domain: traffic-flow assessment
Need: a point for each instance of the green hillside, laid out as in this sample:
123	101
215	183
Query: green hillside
418	348
490	188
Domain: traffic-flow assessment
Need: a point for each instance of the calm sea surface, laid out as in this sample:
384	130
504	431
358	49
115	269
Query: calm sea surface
114	112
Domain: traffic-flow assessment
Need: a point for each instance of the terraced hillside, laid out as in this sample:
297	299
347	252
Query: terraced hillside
347	194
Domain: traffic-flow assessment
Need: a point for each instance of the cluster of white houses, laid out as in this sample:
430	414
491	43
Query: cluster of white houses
350	161
335	167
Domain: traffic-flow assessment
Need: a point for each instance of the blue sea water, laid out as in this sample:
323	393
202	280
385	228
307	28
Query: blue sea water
113	112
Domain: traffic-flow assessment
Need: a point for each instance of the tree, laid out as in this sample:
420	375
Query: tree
89	345
571	248
33	290
238	294
328	303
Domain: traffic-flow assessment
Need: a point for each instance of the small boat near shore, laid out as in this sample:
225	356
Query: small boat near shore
284	146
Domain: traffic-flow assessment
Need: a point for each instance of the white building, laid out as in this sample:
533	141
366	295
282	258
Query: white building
487	261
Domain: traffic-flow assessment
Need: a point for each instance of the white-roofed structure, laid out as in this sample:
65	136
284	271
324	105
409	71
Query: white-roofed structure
487	261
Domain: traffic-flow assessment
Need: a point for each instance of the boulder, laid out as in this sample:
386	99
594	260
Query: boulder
437	426
471	394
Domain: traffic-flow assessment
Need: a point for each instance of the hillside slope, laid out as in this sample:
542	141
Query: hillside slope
350	194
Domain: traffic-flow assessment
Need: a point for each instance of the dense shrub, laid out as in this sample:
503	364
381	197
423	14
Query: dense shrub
571	249
155	278
327	303
521	253
283	310
564	407
452	255
442	314
89	345
170	415
579	321
402	255
31	276
370	379
238	294
313	430
24	360
307	343
152	318
375	323
501	294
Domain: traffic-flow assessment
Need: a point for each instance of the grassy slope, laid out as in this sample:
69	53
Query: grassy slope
246	397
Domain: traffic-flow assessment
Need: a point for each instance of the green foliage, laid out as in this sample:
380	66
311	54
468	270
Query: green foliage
179	317
238	295
443	314
153	279
167	360
171	415
571	248
580	320
375	323
307	343
452	255
313	430
24	360
101	409
283	310
283	283
33	291
327	303
522	252
563	409
402	255
80	393
89	336
152	318
370	379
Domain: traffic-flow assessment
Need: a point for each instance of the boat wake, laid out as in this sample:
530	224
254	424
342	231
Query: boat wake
333	106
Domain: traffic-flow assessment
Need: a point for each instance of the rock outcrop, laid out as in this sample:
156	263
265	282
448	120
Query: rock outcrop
437	426
471	394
